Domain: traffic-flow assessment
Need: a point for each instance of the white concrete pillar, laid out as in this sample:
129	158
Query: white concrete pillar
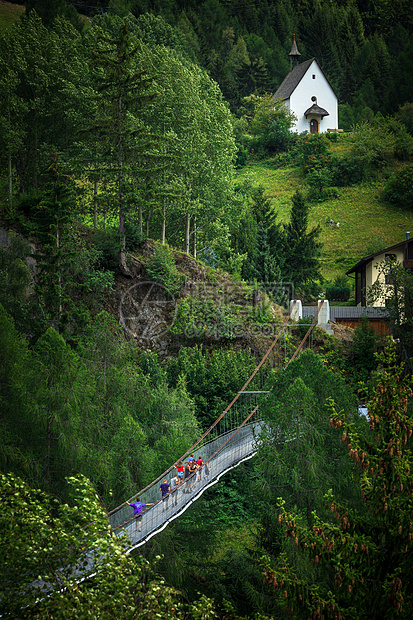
296	309
324	311
324	316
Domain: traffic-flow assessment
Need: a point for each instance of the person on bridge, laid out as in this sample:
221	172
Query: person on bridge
138	508
187	474
192	469
199	463
180	469
174	485
165	494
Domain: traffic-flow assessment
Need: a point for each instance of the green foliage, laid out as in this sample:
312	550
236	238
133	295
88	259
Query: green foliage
161	267
134	236
405	115
270	125
18	380
319	181
345	170
48	11
241	157
58	557
337	293
211	379
312	151
107	244
15	277
363	351
207	319
302	247
264	266
399	188
374	146
362	562
299	456
305	322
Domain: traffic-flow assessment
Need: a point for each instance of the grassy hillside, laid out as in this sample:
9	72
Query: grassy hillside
367	222
9	13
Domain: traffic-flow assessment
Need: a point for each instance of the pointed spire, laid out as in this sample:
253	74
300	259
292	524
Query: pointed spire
294	54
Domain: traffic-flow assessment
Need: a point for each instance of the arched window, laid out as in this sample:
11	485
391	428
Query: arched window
314	125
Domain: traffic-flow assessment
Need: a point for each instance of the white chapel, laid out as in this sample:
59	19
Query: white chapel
307	92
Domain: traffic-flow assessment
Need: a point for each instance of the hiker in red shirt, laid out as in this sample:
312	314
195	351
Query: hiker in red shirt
199	463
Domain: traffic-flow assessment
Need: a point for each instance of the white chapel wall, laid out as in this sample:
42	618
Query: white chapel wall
319	87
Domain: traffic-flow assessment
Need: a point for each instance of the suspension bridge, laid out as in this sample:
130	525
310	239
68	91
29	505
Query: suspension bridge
232	439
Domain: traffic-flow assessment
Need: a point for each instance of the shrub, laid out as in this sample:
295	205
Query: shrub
403	149
304	323
241	157
338	293
319	180
313	151
107	244
374	146
134	236
399	188
161	267
405	116
346	170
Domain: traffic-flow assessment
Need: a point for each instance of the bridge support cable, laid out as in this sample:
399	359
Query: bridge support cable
313	324
219	455
206	433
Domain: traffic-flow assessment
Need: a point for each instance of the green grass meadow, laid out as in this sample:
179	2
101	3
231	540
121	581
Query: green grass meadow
367	222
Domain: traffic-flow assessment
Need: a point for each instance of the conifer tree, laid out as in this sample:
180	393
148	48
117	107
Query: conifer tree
302	247
362	563
123	89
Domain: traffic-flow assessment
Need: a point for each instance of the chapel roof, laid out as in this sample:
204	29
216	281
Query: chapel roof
292	80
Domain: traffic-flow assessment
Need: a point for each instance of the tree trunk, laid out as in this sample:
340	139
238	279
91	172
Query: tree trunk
194	237
163	224
187	229
122	236
59	278
95	205
10	179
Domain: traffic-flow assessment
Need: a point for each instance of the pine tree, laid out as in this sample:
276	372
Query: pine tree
122	90
363	566
302	247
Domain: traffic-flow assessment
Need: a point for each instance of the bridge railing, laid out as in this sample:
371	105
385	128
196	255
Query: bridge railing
219	455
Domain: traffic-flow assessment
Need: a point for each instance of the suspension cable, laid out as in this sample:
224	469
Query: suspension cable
164	474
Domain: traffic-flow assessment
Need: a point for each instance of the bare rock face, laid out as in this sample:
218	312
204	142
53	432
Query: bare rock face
146	311
5	241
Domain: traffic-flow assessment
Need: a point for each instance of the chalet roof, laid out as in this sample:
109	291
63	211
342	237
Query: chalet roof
315	109
292	79
366	259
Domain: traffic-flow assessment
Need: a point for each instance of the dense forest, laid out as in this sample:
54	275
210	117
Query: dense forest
126	129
